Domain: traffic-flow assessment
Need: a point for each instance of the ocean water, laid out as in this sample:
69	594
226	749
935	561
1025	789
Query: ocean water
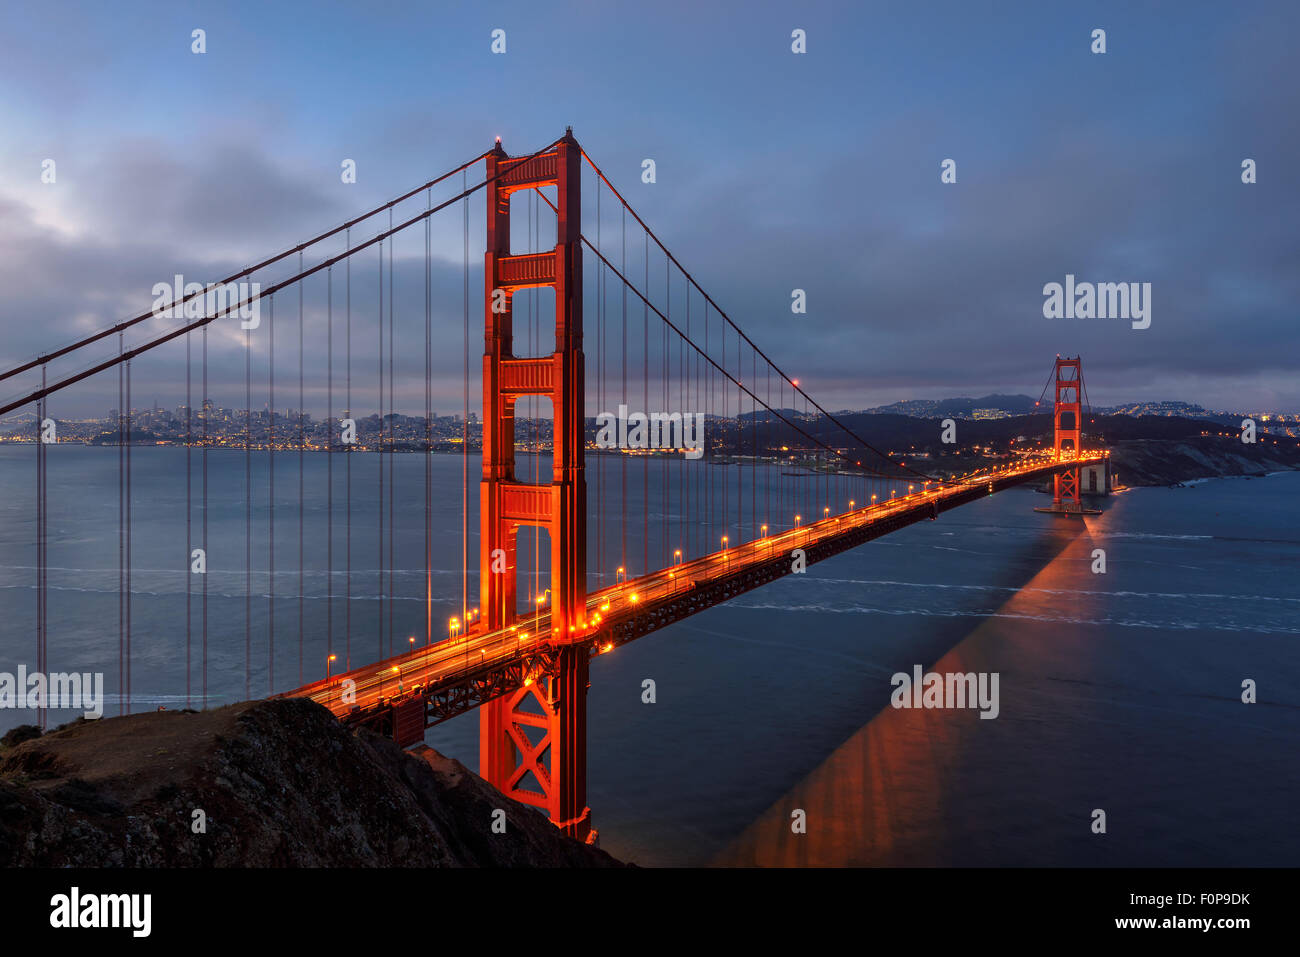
1119	692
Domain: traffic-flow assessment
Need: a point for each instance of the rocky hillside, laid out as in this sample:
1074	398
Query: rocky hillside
279	783
1166	461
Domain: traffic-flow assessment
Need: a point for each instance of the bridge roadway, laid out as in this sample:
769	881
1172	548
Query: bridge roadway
402	695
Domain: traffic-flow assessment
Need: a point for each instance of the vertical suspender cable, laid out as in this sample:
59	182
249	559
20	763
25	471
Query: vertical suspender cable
531	349
302	445
534	344
428	422
329	461
726	422
40	558
128	535
600	400
189	513
42	606
645	410
270	522
204	405
248	513
392	464
347	463
664	480
464	422
121	535
622	458
379	450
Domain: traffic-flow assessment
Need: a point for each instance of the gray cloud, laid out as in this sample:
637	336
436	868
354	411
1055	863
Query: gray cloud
915	288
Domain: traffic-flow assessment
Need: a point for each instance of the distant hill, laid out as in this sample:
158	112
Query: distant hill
962	405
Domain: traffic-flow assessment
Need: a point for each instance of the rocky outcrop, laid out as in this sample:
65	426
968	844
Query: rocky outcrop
273	783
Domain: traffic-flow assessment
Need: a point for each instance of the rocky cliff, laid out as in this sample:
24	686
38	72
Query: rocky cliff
1166	461
272	783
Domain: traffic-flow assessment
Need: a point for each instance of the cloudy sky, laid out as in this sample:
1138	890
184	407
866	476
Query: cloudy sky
775	171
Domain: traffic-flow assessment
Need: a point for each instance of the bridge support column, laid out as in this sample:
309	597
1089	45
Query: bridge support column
533	742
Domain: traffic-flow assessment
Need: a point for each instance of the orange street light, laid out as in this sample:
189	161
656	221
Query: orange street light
541	600
328	662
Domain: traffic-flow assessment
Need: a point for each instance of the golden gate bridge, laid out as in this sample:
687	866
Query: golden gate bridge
799	485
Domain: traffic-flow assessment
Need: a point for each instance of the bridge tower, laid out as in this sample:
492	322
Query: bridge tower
1069	400
533	742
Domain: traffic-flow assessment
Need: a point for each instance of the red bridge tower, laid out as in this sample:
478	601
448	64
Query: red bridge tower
533	742
1069	400
1068	438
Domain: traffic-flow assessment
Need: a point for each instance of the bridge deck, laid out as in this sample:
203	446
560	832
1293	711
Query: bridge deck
449	677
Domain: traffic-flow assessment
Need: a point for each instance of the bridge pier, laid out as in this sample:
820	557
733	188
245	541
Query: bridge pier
533	743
